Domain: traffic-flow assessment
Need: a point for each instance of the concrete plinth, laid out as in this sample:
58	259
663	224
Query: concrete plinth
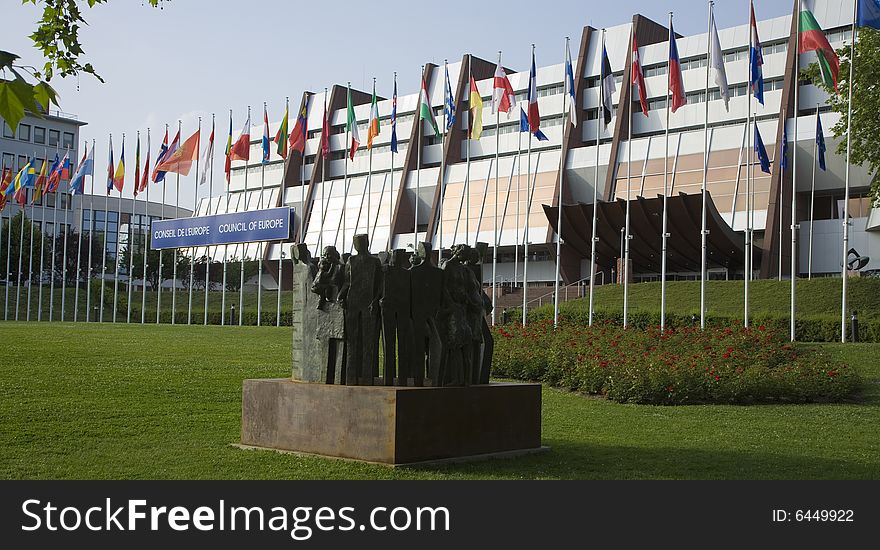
391	425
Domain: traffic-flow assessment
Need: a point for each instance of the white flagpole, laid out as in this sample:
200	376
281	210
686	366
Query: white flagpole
30	280
283	202
370	169
174	255
421	130
704	256
813	198
1	243
261	245
664	235
323	176
559	202
92	226
243	249
626	234
794	224
225	246
345	182
208	212
518	203
159	278
78	248
443	163
495	225
528	211
131	232
599	120
146	237
43	200
391	186
118	227
20	259
747	264
467	179
845	248
64	253
192	250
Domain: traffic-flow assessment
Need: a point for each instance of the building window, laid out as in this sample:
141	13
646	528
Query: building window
68	140
54	136
22	160
24	132
8	160
7	131
39	135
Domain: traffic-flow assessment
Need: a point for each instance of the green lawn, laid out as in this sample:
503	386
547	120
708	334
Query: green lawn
118	401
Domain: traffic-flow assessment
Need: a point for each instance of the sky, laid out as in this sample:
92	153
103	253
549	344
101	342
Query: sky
193	58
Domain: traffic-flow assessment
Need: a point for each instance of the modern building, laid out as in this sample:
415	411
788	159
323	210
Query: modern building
121	219
400	199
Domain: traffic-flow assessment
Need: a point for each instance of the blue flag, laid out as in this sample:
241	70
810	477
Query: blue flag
394	118
761	152
448	103
869	13
783	159
756	57
524	126
820	143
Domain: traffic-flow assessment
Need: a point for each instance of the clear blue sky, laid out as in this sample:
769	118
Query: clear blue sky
192	58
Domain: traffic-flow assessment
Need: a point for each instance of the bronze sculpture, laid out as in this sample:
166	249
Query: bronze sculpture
360	294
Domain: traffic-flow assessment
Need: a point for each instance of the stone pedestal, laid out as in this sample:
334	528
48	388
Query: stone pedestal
391	425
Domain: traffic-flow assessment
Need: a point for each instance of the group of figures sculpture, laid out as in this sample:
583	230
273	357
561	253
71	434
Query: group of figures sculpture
431	320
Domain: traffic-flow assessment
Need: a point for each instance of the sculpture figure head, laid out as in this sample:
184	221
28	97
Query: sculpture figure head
300	253
399	258
330	254
361	243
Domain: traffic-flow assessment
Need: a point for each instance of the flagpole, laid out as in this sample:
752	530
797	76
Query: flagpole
7	232
467	179
118	226
495	225
813	197
370	169
43	199
625	269
9	253
260	245
92	225
443	160
518	203
559	202
21	248
246	203
391	187
78	246
31	248
225	246
664	235
281	195
302	176
192	250
146	236
323	174
528	211
845	250
747	275
162	215
137	166
599	120
174	253
704	255
794	224
421	130
208	259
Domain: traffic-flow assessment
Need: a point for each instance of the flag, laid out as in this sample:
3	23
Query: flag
425	111
394	117
783	150
869	14
820	143
448	102
373	130
569	88
607	87
180	159
812	39
5	183
325	131
300	129
55	174
475	104
533	115
29	178
65	166
524	126
110	169
145	177
756	80
265	135
228	165
21	197
42	179
716	61
119	176
86	168
676	83
638	78
761	152
208	156
503	98
280	137
163	150
137	167
241	149
352	127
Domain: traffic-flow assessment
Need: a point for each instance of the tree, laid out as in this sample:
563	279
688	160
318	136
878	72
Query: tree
233	272
865	132
57	37
16	245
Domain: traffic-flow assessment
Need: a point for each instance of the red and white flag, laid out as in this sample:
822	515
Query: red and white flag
638	77
503	98
241	149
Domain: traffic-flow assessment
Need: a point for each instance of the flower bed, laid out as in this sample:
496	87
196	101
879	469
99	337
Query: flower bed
676	367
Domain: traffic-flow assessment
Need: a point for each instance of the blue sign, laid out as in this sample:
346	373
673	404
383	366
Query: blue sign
272	224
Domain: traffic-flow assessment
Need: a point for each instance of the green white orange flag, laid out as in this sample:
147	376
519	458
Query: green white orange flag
425	111
352	128
281	136
812	39
374	120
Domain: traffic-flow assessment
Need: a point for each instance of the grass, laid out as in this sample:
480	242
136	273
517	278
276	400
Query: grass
119	401
820	296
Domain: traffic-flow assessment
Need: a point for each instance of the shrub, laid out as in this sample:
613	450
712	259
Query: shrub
673	367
